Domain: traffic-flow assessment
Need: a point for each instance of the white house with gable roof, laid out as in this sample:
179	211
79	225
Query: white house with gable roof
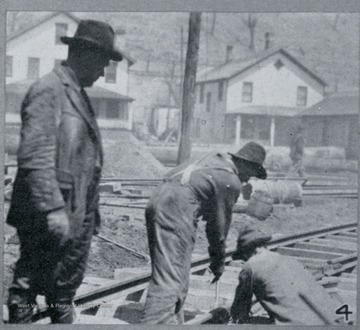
254	98
33	52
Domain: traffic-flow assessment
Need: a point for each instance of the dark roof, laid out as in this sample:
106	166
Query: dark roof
21	88
235	67
266	110
340	103
74	18
39	22
97	92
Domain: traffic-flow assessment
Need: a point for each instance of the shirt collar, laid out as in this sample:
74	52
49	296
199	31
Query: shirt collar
68	76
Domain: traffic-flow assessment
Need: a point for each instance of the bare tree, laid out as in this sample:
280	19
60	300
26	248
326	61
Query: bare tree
333	22
250	22
188	97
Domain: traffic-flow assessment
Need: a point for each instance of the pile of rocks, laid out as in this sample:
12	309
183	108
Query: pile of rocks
127	158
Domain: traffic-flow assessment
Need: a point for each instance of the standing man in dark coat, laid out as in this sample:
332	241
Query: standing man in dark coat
55	199
297	145
277	282
207	188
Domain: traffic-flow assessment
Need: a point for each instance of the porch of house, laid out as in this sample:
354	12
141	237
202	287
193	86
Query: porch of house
265	129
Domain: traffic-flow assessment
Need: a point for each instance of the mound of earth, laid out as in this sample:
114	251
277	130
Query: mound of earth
126	158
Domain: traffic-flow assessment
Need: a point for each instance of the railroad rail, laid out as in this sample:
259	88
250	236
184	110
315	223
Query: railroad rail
330	254
308	192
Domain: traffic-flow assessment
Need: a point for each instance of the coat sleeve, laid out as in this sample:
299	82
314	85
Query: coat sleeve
37	149
218	216
241	306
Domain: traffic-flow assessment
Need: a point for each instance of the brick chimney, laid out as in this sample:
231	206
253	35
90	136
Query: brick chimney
267	40
229	50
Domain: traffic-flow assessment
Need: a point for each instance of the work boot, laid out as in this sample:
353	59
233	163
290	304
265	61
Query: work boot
62	313
20	309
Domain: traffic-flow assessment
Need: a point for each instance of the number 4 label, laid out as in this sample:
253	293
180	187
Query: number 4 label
344	310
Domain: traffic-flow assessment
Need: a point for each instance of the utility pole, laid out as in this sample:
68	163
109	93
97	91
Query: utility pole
188	97
181	81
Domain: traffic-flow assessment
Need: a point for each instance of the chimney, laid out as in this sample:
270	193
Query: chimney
267	40
229	50
119	38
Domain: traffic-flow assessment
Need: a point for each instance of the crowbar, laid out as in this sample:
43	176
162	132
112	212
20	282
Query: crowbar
143	256
216	293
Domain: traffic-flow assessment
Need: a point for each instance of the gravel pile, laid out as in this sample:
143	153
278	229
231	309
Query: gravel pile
127	158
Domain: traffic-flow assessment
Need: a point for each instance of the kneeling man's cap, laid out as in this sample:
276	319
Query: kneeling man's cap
250	238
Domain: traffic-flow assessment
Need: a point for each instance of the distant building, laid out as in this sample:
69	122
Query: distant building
256	98
164	118
334	121
35	51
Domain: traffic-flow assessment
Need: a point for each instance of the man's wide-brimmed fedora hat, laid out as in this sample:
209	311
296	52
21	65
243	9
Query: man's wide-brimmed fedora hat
249	238
91	33
255	154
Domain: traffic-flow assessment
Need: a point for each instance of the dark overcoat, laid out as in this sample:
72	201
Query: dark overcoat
59	166
60	153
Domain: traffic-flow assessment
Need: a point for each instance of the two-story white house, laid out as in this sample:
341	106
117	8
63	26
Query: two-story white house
33	52
255	98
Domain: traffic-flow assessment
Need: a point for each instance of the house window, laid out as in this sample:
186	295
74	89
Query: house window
208	102
33	68
197	128
9	66
112	109
221	90
201	93
247	92
110	72
123	111
301	99
57	63
95	104
278	64
60	31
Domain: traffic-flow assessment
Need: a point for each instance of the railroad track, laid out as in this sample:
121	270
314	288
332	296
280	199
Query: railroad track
309	192
330	254
315	186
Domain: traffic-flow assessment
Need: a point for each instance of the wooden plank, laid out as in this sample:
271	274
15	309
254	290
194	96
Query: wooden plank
307	253
205	300
109	309
319	247
353	235
204	283
333	243
90	319
311	263
349	275
341	238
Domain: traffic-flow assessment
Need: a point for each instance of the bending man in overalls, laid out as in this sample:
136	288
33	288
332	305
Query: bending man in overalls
207	188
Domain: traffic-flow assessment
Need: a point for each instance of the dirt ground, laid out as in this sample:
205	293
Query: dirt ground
127	227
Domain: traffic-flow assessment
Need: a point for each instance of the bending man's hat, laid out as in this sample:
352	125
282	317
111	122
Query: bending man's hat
91	33
255	154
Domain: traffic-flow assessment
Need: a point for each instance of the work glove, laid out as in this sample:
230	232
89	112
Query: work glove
246	190
217	270
58	226
97	222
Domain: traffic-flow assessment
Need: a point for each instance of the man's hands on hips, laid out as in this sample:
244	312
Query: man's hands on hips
58	225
